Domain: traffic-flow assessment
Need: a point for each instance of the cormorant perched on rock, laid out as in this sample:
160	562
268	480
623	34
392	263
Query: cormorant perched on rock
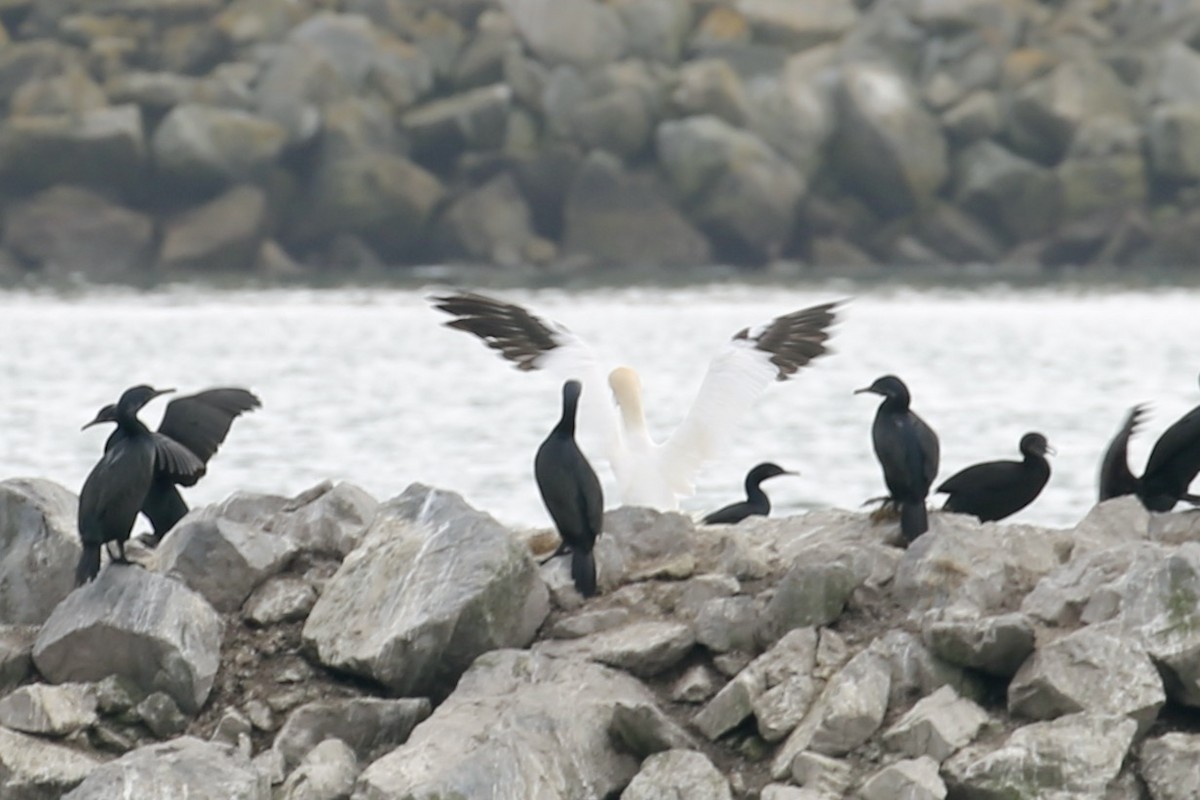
200	422
996	489
1116	480
756	503
907	449
1173	464
571	492
116	487
648	473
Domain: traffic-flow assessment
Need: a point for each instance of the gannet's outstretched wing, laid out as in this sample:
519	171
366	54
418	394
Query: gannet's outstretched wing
532	343
1116	479
736	377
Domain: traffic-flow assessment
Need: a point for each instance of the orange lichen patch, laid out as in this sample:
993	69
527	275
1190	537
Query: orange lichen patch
723	26
1022	66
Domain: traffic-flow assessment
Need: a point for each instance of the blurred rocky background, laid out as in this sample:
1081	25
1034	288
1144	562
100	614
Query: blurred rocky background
143	138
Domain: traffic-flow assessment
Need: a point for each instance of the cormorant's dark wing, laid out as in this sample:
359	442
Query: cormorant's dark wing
175	461
728	515
200	422
1116	479
1178	449
990	476
930	450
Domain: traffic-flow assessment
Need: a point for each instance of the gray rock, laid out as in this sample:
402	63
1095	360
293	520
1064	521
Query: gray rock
433	584
642	544
728	623
792	658
697	685
779	791
656	29
490	224
474	120
976	117
16	654
793	114
614	217
32	768
204	148
38	550
779	709
711	86
589	621
65	230
995	645
49	710
917	673
1176	528
1018	197
1105	169
1173	139
222	560
183	767
957	236
268	764
798	25
280	599
385	199
1168	766
822	775
157	92
369	726
580	32
678	775
102	148
938	726
170	637
327	519
73	93
963	566
811	593
1073	756
233	728
1094	669
224	234
847	713
1089	588
644	730
328	772
912	779
162	716
259	714
886	145
1172	75
642	648
731	182
540	722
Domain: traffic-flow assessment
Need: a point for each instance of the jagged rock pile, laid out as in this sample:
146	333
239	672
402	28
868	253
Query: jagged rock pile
189	136
328	646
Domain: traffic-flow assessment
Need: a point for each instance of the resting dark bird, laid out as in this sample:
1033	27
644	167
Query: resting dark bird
200	422
996	489
1116	479
611	414
756	503
1173	465
571	492
907	449
116	487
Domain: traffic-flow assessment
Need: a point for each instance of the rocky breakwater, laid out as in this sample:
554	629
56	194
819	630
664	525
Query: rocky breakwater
415	649
143	138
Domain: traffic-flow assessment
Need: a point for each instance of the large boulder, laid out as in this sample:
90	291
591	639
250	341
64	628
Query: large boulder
1017	197
137	624
474	120
886	145
203	148
490	224
38	548
678	774
32	768
1168	765
102	148
65	229
221	559
798	25
184	767
369	726
224	234
740	190
329	518
538	728
793	112
614	217
433	584
580	32
16	654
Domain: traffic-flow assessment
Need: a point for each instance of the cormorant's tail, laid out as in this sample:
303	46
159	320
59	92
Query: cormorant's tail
913	519
583	571
89	564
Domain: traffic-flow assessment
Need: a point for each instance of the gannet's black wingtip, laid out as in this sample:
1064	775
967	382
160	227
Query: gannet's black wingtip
520	336
795	339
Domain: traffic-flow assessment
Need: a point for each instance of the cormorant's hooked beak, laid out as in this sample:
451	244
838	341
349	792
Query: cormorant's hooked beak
99	418
158	392
1050	451
865	390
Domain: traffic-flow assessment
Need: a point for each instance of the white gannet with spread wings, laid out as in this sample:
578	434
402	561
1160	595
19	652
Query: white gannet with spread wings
648	473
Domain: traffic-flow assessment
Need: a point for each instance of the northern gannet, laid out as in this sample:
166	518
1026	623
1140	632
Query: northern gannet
648	473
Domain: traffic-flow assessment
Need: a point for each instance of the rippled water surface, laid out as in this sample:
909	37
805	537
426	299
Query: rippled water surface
365	385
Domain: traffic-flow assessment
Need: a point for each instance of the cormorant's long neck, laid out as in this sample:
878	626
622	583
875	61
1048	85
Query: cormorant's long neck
566	424
895	404
755	495
128	422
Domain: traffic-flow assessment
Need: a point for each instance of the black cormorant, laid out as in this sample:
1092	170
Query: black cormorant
200	422
756	503
907	449
1116	479
116	487
571	492
996	489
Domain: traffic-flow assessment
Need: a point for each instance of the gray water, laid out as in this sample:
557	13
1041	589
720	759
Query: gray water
365	385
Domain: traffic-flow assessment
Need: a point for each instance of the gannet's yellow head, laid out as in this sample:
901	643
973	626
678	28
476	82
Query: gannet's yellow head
627	392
